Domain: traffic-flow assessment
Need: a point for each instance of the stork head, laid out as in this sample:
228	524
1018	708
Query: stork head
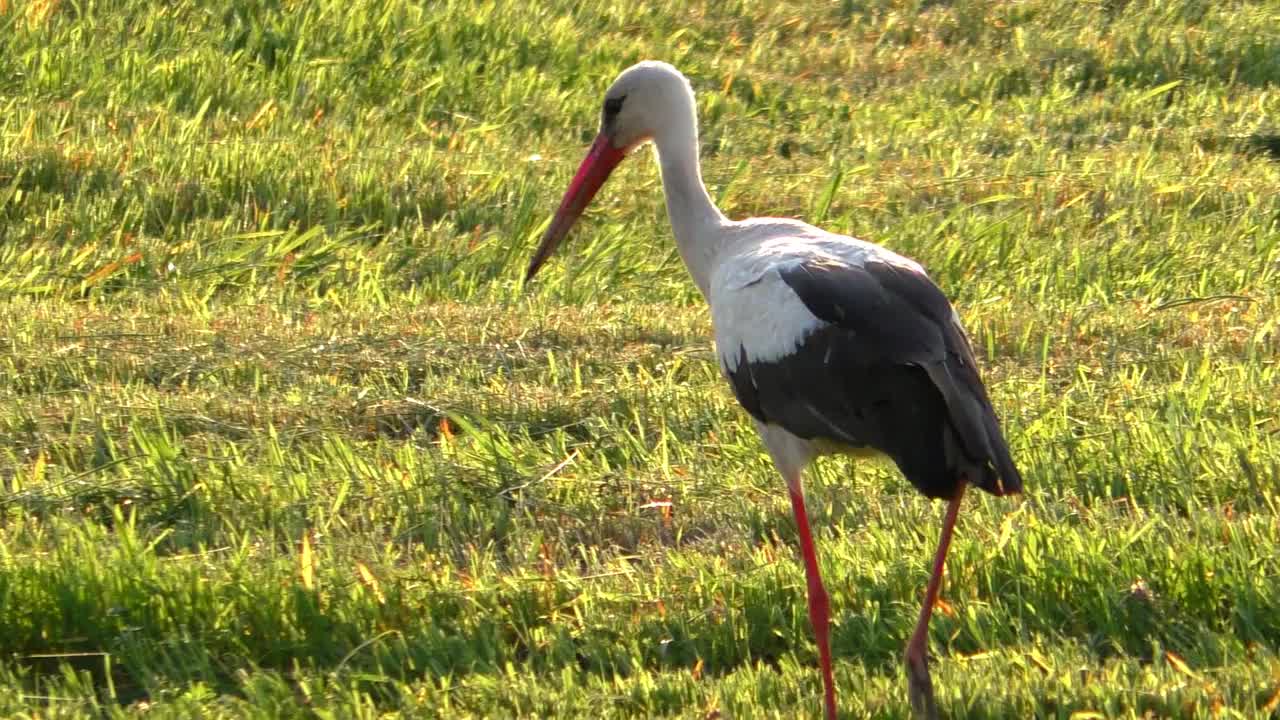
648	100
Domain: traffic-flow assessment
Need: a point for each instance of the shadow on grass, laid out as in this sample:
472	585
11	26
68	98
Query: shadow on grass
1259	144
53	170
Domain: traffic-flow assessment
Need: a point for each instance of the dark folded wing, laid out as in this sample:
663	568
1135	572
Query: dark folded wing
892	361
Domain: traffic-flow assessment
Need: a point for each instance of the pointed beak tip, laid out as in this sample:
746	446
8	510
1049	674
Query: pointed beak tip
540	256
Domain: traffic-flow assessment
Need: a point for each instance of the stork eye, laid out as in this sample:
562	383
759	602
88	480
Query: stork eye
613	105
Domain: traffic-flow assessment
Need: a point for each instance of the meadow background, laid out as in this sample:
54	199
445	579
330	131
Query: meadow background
283	435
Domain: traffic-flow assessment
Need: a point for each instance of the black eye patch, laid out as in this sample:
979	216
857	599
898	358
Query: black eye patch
613	105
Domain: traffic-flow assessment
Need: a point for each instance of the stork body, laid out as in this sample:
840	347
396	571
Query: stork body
832	344
835	345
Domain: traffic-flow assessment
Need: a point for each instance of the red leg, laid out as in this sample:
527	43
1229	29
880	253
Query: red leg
819	607
919	684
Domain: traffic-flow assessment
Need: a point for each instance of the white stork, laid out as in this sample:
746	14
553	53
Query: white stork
832	344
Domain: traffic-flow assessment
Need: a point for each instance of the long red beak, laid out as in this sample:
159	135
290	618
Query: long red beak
601	159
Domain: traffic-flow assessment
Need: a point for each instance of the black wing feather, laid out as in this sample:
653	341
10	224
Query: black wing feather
893	371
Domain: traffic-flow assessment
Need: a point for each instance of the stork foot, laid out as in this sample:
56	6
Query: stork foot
920	686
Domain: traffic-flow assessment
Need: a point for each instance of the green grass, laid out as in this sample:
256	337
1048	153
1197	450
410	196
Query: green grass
283	435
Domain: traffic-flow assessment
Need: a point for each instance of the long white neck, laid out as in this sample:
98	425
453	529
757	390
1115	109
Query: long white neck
697	223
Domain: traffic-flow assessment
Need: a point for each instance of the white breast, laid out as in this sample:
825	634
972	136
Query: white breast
765	318
753	308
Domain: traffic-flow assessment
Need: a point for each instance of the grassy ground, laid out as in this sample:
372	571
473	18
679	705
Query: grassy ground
282	435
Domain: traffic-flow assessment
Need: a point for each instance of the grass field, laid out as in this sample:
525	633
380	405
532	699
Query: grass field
283	435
